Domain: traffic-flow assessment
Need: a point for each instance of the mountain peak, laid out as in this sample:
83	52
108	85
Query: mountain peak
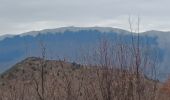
75	29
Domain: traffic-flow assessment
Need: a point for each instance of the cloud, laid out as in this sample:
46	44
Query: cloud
17	16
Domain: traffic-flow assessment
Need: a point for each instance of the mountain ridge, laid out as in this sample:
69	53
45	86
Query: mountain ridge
75	29
63	29
68	42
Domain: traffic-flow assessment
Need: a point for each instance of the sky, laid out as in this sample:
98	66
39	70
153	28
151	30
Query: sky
19	16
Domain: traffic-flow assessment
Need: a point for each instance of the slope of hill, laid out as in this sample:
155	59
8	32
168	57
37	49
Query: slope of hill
71	81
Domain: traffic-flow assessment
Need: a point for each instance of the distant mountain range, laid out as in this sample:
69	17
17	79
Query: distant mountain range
70	42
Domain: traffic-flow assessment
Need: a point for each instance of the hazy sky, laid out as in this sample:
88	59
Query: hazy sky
18	16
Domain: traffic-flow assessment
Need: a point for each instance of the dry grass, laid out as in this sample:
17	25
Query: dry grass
68	81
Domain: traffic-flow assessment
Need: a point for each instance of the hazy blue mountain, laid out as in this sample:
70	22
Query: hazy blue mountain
69	41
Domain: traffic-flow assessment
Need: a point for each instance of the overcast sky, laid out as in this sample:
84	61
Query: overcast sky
18	16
